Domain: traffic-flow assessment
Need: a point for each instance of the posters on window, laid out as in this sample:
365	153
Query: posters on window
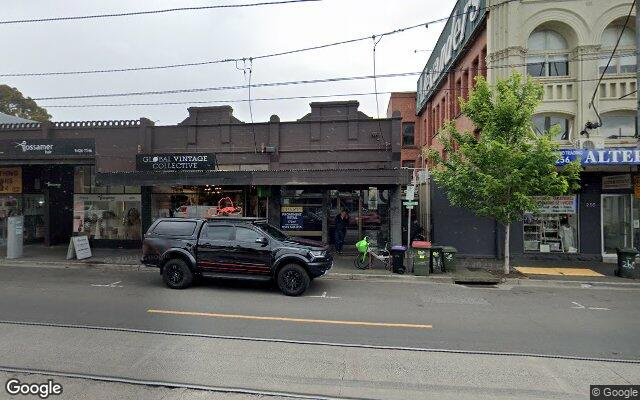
11	180
291	218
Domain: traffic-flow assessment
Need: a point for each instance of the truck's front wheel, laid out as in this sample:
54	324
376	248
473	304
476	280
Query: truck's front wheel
293	280
176	274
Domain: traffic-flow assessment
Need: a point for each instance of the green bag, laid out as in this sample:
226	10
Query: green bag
363	245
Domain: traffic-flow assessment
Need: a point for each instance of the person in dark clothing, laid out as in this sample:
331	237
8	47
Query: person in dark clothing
342	221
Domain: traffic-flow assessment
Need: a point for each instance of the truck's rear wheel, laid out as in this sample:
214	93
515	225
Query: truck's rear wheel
176	274
293	280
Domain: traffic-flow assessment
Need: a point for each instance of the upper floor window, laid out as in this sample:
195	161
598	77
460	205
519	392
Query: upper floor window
624	61
616	125
408	134
545	123
408	164
548	54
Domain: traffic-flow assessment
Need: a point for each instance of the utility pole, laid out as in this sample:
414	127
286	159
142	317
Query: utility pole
637	72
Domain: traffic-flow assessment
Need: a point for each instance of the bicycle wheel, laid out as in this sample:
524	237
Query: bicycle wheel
361	262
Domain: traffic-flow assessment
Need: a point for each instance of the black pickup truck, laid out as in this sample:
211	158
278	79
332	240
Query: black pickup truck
232	247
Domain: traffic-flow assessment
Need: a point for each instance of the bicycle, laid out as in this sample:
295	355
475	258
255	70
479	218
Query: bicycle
366	257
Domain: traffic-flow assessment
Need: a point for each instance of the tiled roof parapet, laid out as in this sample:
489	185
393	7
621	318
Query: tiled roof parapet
73	124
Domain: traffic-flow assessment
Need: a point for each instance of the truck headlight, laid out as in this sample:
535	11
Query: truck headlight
316	253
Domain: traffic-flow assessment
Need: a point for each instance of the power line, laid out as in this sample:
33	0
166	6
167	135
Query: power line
219	61
228	60
274	84
163	11
236	87
604	71
164	103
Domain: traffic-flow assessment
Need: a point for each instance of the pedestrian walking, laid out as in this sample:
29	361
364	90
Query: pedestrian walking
342	221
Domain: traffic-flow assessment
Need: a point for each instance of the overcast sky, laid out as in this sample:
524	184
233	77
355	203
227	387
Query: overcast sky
193	36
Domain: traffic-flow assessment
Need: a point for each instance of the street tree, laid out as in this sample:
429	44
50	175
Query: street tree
12	102
500	172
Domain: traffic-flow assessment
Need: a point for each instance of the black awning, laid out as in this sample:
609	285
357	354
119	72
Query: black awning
277	177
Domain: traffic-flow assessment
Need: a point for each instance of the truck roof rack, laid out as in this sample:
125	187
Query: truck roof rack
234	218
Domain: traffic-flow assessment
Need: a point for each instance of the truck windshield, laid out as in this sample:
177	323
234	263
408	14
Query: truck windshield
272	231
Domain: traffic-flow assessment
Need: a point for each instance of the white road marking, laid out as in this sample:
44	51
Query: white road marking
581	307
324	296
586	286
112	285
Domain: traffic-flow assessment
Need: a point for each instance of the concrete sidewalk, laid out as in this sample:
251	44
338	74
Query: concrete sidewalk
129	259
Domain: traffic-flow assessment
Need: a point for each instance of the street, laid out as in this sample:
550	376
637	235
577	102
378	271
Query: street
343	338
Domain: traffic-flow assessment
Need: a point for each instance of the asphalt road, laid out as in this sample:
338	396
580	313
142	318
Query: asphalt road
587	322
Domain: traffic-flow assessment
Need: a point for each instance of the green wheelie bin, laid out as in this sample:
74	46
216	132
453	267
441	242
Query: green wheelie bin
449	258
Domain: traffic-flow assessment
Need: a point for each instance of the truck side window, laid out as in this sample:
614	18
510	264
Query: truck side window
246	235
218	232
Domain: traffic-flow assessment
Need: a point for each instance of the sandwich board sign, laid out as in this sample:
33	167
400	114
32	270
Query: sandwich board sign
79	246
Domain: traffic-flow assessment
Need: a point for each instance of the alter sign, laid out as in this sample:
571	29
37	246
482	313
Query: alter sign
79	246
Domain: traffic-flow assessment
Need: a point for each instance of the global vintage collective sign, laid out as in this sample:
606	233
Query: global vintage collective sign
607	156
176	162
36	148
461	25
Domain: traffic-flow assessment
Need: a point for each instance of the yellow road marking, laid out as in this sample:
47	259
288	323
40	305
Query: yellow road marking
558	271
286	319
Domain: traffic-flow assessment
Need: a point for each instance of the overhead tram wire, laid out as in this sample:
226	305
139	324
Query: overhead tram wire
258	57
604	71
149	12
215	101
219	61
286	83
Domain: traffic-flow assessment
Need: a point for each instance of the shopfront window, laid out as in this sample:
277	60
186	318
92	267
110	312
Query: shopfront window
616	222
554	228
10	205
368	214
105	212
301	211
33	212
198	201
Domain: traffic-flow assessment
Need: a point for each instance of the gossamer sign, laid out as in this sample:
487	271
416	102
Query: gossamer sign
463	22
176	162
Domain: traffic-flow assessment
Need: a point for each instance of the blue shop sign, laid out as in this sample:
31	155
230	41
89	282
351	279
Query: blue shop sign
610	156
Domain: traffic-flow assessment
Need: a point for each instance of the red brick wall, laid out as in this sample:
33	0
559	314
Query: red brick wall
443	105
405	103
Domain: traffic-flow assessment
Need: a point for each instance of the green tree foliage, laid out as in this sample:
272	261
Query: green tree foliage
498	173
12	102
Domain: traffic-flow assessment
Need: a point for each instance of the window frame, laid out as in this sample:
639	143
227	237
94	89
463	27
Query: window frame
569	119
620	113
195	225
413	137
548	56
206	228
235	234
622	52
